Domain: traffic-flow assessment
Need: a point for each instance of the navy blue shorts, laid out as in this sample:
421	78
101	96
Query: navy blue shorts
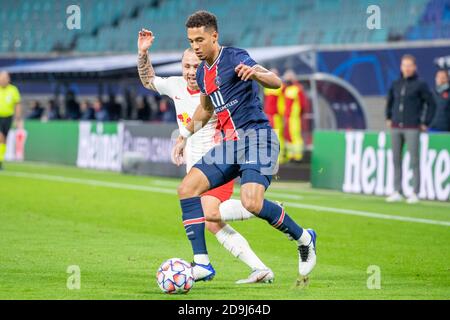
253	158
5	125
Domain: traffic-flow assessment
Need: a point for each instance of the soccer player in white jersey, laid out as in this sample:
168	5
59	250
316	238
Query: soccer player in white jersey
216	203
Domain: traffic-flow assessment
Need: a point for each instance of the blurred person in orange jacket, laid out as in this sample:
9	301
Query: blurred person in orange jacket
295	100
274	110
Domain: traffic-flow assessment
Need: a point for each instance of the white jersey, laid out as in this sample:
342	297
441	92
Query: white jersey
186	101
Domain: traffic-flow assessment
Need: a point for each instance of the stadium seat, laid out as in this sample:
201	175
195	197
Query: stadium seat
110	25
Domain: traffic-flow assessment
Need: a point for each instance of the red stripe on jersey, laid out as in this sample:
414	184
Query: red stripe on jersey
218	133
209	79
227	125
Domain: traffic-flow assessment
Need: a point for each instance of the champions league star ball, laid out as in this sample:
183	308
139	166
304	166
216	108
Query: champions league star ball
175	276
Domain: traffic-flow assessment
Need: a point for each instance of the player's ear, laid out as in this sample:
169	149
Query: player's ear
215	36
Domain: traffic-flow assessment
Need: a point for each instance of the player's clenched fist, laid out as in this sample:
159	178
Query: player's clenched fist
245	72
145	40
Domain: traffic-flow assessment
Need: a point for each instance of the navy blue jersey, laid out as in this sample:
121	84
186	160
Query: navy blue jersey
236	102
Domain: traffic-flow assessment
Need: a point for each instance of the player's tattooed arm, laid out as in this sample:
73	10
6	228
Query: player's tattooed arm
145	68
264	77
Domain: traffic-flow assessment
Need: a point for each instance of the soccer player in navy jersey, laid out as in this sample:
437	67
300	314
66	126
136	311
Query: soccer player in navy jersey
228	80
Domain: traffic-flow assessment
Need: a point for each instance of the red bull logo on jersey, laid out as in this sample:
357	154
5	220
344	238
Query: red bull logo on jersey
184	118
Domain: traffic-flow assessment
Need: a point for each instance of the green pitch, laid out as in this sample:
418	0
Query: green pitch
117	229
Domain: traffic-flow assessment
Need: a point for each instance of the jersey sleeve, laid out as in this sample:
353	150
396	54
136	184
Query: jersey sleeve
163	85
242	56
199	78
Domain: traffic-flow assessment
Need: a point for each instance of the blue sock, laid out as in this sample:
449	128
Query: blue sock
276	216
194	223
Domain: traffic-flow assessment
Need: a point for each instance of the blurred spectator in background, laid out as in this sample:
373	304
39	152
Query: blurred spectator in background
130	103
167	109
72	106
53	110
295	100
153	101
410	109
274	106
87	111
143	109
114	108
101	114
441	119
36	111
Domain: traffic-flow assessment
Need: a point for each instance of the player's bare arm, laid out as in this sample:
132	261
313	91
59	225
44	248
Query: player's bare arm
264	77
145	68
201	115
18	116
200	118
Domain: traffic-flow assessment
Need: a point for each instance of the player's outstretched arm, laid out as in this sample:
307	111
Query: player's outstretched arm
145	68
264	77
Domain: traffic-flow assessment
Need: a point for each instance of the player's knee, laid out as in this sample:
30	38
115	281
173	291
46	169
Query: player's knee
252	204
185	191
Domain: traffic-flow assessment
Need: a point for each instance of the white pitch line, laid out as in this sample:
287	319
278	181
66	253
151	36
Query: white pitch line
366	214
127	186
90	182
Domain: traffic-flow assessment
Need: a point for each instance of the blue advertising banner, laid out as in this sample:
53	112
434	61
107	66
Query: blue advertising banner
372	71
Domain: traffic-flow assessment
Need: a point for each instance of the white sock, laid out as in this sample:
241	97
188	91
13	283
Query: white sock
305	238
232	210
234	242
201	259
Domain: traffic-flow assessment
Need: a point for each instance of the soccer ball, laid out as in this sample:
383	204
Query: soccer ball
175	276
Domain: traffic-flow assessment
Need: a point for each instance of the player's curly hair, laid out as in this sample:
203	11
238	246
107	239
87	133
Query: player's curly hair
202	19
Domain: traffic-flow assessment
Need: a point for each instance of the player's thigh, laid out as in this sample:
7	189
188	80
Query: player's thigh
252	196
193	184
218	166
210	205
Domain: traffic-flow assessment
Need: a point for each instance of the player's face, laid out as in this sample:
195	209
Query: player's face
408	68
202	41
190	64
4	79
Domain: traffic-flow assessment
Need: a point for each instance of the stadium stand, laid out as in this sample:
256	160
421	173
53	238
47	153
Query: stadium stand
111	25
434	22
21	17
